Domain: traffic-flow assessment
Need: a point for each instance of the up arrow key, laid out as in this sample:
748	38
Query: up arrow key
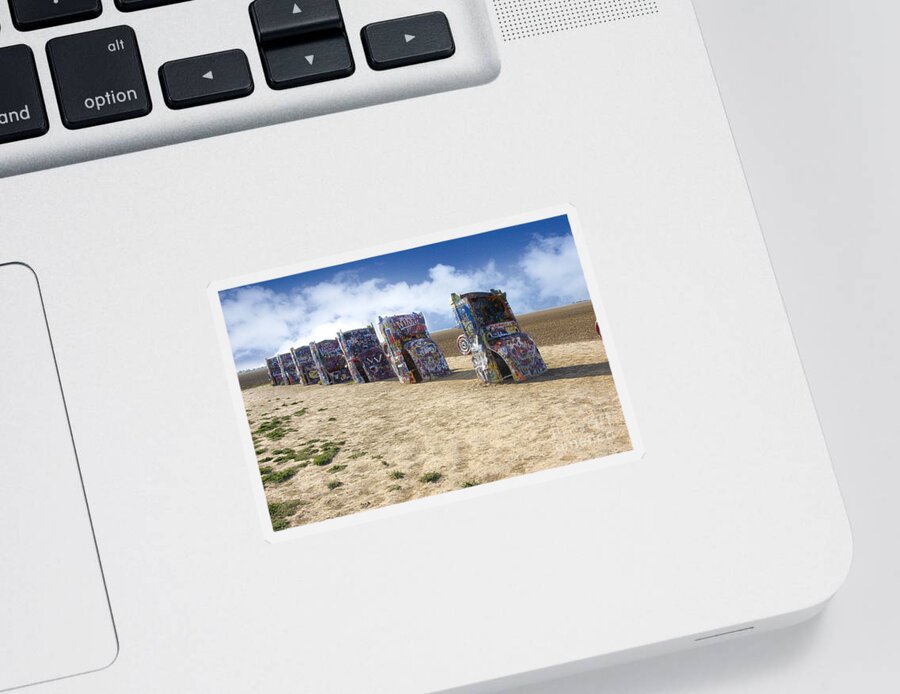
408	37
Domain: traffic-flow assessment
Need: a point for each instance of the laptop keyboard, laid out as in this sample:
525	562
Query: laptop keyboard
102	76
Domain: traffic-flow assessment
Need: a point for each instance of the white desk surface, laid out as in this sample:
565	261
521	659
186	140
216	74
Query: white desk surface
810	88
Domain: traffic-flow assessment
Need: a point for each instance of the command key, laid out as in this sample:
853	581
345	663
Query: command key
22	111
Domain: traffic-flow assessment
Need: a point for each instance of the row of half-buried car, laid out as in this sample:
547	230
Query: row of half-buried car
491	335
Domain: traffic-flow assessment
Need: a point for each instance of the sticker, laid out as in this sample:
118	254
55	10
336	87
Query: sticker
397	377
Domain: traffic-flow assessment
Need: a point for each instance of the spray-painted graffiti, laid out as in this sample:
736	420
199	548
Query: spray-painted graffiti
306	367
289	368
498	347
276	374
365	356
330	362
414	356
491	336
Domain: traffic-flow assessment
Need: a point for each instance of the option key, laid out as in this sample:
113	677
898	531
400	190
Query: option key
99	77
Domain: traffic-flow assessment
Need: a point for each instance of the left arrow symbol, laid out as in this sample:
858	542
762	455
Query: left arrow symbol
208	75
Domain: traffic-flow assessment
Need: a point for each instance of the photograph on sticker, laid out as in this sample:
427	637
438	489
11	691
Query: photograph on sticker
437	368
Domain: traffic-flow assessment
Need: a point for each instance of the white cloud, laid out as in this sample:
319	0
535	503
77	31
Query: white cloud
262	322
551	264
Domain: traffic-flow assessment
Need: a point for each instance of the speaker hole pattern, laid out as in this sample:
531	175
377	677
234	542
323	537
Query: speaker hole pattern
522	19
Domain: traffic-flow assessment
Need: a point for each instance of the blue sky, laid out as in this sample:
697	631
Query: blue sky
535	263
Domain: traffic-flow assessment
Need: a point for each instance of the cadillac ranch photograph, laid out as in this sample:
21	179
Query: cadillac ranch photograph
424	371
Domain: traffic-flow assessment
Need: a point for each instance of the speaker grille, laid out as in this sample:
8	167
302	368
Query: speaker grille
521	19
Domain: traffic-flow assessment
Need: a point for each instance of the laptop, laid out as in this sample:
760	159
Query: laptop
386	347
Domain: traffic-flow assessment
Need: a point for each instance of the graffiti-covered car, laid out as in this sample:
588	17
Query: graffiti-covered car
289	368
494	339
276	373
330	362
365	356
414	356
306	367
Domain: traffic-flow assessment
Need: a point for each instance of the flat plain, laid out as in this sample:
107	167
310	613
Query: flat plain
328	451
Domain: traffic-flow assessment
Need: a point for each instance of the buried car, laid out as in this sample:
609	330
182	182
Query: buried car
414	356
330	362
494	339
365	356
306	367
276	373
289	368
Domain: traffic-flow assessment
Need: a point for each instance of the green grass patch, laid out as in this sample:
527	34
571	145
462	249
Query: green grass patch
430	477
396	475
284	455
265	469
334	484
266	459
280	476
356	454
281	511
469	483
327	454
273	429
300	413
337	468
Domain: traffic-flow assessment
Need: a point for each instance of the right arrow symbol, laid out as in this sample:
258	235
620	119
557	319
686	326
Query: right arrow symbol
408	37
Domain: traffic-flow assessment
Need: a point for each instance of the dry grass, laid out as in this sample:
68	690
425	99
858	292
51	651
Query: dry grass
358	447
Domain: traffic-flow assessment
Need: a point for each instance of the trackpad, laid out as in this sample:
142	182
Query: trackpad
55	619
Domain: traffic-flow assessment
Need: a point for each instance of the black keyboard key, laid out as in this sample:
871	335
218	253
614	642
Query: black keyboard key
206	79
408	40
297	64
284	19
37	14
22	111
99	77
131	5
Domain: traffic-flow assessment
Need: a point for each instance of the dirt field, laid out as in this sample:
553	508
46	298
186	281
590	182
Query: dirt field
327	451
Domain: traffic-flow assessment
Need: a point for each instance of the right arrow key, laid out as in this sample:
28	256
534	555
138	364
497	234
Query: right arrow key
408	40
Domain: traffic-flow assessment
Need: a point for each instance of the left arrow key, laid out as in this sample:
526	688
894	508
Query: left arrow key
206	79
